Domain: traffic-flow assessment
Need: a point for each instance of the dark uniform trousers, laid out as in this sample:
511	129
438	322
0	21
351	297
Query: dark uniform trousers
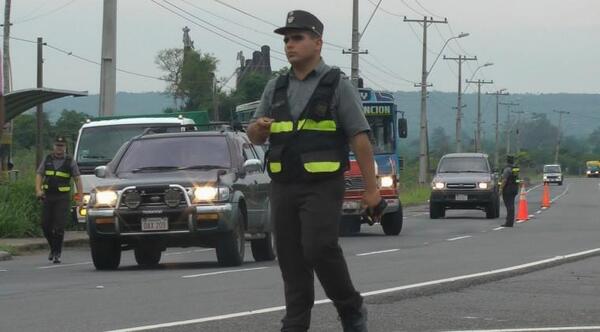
508	196
55	213
306	221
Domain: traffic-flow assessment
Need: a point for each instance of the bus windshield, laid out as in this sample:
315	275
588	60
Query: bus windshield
382	134
98	145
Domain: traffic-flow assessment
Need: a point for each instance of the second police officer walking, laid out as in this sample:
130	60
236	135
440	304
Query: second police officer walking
510	189
309	116
53	188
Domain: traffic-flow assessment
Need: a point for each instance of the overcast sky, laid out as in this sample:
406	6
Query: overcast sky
537	46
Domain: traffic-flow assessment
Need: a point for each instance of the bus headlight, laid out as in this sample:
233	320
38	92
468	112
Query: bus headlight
386	182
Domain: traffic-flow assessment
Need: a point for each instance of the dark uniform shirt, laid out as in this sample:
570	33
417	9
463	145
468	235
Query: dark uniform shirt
348	112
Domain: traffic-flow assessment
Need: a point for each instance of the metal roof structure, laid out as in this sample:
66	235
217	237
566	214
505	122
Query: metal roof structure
17	102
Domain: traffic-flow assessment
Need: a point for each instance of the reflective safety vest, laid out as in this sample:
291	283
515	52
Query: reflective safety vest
57	181
513	178
313	147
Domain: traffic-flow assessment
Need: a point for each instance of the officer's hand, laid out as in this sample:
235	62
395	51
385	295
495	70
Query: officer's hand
39	194
264	123
370	199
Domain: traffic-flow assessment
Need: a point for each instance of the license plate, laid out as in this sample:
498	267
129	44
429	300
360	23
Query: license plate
155	224
351	205
461	197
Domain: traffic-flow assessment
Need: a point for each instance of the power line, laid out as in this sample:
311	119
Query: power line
369	21
388	72
412	9
425	9
387	11
46	13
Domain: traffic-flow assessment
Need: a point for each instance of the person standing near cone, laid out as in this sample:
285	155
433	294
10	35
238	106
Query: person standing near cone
53	188
310	116
510	189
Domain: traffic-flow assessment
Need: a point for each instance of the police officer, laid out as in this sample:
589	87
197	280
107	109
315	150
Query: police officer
53	187
510	188
309	116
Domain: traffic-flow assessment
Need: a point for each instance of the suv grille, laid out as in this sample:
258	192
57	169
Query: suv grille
152	197
460	185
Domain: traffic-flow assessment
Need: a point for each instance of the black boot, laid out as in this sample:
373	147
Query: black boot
51	255
357	322
56	258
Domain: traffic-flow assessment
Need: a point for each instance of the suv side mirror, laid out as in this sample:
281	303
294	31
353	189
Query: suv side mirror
100	171
252	165
402	128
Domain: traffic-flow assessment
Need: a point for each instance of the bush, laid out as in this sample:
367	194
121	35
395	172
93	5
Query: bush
20	211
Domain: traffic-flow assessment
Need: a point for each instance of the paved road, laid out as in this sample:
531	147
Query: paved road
192	291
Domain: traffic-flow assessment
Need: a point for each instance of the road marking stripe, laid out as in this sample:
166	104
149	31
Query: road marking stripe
569	328
187	252
372	293
534	187
223	272
377	252
3	270
561	195
498	228
459	238
62	265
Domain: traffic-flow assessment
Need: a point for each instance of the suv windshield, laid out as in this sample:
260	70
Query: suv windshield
551	169
463	164
175	153
98	145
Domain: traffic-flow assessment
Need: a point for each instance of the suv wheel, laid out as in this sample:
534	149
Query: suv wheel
264	249
147	254
106	253
231	246
392	222
436	210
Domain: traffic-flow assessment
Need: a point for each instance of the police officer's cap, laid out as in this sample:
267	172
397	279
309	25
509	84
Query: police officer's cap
301	20
60	139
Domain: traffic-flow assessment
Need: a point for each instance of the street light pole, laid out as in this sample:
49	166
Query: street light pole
478	131
560	114
497	94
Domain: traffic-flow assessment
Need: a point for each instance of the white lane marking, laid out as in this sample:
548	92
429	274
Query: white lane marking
377	252
3	270
498	228
459	238
561	195
224	272
532	188
568	328
187	252
62	265
372	293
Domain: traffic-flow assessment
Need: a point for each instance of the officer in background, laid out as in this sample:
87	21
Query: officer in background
510	189
309	116
53	188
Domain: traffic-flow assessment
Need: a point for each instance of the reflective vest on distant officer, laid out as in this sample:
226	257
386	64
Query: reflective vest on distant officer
513	179
312	147
57	180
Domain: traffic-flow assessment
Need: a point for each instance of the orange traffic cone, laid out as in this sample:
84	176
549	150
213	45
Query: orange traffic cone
523	214
546	196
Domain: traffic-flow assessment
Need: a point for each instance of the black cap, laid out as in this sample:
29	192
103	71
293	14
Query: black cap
301	20
60	139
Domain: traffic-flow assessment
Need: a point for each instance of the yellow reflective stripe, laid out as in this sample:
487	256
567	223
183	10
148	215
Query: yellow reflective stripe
63	174
282	127
274	167
322	166
64	189
309	124
49	173
45	186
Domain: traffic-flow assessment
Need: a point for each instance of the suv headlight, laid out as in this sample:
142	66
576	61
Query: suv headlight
106	198
386	181
484	185
210	194
438	185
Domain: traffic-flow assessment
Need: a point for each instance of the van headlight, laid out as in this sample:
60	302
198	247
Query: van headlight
386	181
209	194
483	185
106	198
438	185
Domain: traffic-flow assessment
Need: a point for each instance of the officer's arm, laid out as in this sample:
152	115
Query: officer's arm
38	185
364	156
79	187
259	131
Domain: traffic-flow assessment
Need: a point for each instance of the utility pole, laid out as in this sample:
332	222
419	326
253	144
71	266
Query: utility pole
108	68
478	130
6	87
423	137
560	114
508	129
518	142
460	60
497	94
40	108
355	50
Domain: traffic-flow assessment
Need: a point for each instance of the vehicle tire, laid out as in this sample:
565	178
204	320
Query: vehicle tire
147	254
392	222
231	246
349	225
264	249
560	183
436	210
106	253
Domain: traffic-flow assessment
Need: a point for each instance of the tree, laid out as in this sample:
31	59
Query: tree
68	125
251	87
439	142
171	61
25	128
594	142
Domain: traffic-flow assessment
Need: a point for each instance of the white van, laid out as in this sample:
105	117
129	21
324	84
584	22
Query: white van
553	174
98	142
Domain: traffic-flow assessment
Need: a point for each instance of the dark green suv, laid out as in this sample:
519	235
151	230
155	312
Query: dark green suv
206	189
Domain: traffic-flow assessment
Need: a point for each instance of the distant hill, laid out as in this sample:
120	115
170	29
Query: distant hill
584	108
